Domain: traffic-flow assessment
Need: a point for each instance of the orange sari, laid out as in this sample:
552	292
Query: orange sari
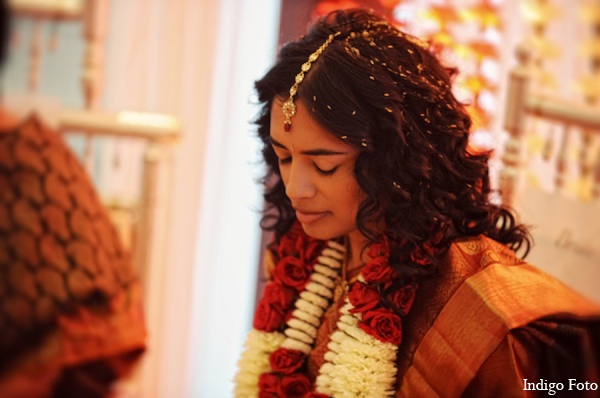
70	306
484	323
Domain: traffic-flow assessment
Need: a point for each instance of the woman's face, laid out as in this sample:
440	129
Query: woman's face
318	173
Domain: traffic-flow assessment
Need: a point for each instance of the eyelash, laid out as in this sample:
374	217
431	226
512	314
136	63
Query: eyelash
325	173
287	160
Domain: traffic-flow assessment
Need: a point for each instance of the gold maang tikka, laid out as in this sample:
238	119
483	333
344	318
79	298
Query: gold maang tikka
289	108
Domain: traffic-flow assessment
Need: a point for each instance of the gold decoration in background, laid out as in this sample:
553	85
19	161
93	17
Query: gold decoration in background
484	13
325	7
481	50
589	86
538	14
472	52
444	16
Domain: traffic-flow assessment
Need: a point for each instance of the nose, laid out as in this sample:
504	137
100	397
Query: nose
299	183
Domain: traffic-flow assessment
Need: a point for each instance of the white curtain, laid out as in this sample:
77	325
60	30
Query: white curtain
197	60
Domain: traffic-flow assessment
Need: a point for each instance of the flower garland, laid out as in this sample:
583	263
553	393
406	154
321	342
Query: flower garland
255	361
361	360
357	364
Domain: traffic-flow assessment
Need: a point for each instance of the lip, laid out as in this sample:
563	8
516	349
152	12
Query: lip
309	217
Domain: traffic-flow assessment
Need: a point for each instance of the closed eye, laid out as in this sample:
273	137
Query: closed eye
325	172
285	160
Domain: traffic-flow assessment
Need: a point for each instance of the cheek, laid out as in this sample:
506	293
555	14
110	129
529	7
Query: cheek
284	173
353	190
356	197
283	176
351	197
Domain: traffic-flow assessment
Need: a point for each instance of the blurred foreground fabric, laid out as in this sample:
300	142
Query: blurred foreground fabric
70	306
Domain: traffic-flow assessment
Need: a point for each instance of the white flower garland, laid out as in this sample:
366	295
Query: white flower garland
356	365
255	361
314	300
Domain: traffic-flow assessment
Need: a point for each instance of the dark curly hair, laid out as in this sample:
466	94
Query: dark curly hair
386	89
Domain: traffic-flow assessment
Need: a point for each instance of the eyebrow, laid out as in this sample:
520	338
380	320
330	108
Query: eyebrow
310	152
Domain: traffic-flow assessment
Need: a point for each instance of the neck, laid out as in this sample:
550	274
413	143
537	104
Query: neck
356	257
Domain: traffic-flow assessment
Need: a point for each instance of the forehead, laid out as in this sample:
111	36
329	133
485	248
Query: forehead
306	132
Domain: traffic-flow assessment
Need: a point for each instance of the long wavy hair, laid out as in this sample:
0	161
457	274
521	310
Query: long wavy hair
386	90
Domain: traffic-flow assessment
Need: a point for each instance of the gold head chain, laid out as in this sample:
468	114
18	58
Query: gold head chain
289	108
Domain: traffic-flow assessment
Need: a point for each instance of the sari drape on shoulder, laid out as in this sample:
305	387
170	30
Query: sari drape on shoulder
483	323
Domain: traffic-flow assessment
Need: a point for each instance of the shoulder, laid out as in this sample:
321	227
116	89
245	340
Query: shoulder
511	291
8	121
33	147
500	311
550	354
483	278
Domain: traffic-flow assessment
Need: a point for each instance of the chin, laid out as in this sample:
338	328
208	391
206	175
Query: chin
321	232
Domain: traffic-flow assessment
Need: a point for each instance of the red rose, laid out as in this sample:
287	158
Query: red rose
267	317
421	255
380	249
279	295
291	272
286	247
287	243
311	248
313	394
363	297
268	384
377	270
286	361
418	256
382	324
403	299
294	385
296	243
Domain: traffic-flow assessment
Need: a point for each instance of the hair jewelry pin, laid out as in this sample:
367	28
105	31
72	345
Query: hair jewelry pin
289	108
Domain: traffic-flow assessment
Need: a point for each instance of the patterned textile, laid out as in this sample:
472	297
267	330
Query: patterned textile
483	323
70	311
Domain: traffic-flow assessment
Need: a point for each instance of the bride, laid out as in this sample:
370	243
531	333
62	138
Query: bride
391	273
